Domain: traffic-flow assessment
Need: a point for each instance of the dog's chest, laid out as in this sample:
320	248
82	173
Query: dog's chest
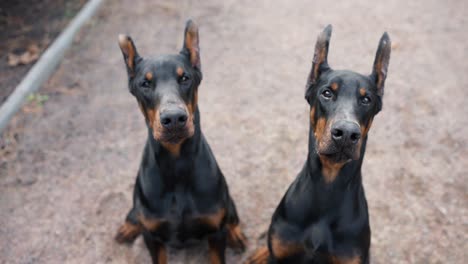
306	203
185	215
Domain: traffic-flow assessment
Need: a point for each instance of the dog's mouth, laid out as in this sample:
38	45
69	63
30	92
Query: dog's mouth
174	136
337	157
341	155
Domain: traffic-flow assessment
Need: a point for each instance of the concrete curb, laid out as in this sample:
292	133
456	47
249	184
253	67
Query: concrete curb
46	64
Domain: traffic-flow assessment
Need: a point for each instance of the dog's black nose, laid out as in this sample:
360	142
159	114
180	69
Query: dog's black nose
345	133
173	118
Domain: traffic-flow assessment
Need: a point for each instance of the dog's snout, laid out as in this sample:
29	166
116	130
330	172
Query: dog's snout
174	118
345	133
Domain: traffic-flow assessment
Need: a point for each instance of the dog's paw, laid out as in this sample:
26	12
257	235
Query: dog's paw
127	233
235	238
260	256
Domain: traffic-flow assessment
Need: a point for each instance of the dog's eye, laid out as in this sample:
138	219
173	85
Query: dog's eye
184	78
145	84
366	100
185	82
327	94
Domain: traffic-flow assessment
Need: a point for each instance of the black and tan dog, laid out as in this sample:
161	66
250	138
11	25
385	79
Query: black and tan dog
323	216
180	193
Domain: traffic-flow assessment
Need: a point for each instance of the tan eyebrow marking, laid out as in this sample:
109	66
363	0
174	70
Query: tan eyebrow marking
179	71
149	76
362	91
334	86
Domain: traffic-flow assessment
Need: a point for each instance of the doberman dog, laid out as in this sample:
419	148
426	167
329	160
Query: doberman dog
180	195
323	216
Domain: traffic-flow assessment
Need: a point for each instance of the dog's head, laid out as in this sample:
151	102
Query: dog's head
166	87
343	103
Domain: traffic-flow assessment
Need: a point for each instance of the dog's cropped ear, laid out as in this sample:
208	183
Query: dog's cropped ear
191	46
129	53
320	62
382	59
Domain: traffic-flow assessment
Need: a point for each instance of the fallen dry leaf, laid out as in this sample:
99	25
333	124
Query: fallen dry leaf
29	56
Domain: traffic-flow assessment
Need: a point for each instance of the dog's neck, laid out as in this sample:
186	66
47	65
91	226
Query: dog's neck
349	172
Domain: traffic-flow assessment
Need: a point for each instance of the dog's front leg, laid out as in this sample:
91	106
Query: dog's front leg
235	237
157	250
217	247
130	230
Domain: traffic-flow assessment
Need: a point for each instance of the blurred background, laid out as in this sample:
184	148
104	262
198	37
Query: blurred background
69	157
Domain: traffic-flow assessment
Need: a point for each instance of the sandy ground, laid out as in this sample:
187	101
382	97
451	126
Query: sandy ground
65	184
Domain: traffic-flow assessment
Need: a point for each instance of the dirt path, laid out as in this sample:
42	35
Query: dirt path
67	185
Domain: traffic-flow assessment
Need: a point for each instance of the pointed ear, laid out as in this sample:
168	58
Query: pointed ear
382	59
191	46
320	62
129	53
